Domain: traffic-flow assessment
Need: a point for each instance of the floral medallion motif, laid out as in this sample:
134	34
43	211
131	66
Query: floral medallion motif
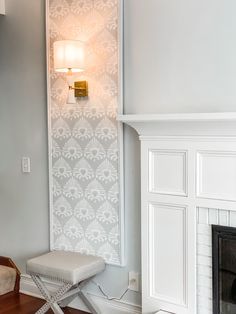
84	144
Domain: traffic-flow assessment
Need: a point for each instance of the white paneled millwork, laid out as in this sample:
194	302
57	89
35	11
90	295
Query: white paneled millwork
173	163
162	254
168	229
2	7
216	175
188	164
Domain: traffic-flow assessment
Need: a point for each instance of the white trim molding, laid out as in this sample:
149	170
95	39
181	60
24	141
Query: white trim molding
106	306
2	7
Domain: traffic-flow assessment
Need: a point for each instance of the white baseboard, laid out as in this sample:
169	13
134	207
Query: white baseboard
28	287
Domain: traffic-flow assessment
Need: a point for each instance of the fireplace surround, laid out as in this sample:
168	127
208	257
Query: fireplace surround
224	269
188	171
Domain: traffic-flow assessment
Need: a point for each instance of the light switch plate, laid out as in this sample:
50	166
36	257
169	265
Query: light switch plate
25	164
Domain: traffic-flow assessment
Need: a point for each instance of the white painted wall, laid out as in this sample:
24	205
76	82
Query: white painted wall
180	56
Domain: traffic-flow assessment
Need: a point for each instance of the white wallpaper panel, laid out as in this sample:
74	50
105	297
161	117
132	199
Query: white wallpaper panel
86	214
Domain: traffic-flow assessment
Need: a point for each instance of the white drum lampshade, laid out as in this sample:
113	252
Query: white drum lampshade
69	56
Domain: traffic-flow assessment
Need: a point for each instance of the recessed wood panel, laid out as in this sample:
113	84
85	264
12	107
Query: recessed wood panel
167	172
216	175
167	253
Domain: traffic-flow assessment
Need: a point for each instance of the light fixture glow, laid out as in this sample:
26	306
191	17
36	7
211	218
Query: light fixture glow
69	56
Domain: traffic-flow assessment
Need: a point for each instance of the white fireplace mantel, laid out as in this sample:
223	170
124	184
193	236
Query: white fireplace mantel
189	124
188	166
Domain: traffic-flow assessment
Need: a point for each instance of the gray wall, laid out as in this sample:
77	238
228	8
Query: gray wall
180	56
23	131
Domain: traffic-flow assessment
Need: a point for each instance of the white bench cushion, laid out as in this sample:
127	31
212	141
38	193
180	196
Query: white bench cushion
64	266
7	279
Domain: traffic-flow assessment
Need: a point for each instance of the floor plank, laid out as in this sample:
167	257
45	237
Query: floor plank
24	304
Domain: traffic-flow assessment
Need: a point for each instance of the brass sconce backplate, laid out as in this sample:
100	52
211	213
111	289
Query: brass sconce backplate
81	89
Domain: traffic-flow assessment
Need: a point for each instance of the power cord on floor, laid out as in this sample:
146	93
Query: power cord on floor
106	296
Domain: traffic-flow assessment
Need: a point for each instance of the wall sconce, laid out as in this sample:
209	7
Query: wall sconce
69	57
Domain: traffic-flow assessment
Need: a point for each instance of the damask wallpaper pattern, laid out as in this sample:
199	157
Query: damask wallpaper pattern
84	136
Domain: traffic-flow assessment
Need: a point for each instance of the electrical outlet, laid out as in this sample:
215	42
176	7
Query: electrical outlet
133	281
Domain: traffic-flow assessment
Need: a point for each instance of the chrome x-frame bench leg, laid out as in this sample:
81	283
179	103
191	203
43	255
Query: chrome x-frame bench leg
63	296
90	305
72	294
51	300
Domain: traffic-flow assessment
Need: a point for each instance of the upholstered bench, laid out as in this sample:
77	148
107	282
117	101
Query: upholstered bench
72	270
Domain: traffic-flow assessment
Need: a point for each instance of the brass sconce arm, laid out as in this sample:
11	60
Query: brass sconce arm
80	88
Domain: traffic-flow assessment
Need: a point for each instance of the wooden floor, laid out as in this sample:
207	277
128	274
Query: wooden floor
23	304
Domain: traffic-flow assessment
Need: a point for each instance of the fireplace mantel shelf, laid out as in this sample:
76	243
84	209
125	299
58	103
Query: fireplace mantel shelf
189	124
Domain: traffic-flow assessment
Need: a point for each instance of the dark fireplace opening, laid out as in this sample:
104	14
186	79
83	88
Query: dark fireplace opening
224	269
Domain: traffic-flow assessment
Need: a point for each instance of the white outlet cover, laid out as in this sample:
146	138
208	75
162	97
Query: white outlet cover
133	281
